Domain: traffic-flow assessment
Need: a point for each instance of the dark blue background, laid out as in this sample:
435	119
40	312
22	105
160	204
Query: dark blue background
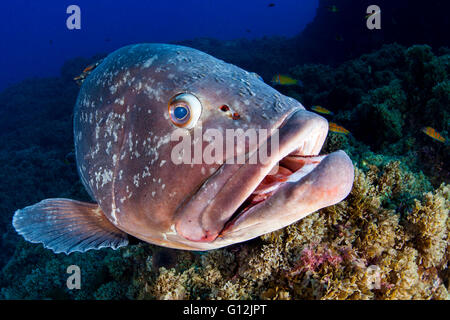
36	42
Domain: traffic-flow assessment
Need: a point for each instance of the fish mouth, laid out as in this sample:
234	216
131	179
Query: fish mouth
319	181
240	202
290	169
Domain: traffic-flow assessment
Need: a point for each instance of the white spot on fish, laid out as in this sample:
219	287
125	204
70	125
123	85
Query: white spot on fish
113	213
108	147
120	101
149	62
136	180
146	172
113	89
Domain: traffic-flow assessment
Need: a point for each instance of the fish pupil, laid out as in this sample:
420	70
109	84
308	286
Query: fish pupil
180	112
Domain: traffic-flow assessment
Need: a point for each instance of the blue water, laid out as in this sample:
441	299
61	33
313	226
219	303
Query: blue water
36	42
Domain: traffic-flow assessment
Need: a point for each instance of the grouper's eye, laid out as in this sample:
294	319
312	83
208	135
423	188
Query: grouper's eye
185	110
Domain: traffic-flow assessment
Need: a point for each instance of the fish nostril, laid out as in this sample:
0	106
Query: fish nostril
229	112
224	108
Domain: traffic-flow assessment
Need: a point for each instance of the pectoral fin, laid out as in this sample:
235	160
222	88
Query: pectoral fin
65	225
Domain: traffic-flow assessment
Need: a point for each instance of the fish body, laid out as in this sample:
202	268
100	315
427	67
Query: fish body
135	110
321	109
337	128
432	133
284	80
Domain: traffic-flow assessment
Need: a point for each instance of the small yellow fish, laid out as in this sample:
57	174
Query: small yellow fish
429	131
333	8
79	79
333	127
90	67
321	109
285	80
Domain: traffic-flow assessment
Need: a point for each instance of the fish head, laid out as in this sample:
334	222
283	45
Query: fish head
165	143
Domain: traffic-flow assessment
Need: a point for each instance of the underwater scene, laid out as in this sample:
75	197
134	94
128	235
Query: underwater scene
133	163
